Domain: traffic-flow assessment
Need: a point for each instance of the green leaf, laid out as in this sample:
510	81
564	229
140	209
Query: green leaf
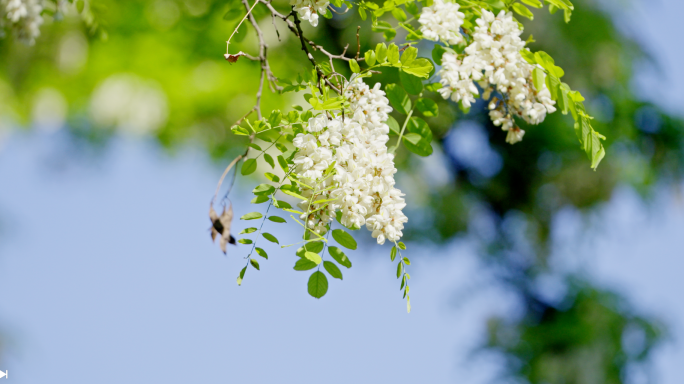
538	78
282	148
241	276
304	265
272	177
399	269
563	98
354	66
277	219
407	261
413	138
293	194
523	11
528	56
245	241
254	263
269	160
261	252
412	84
437	53
259	199
427	107
281	204
399	14
401	245
318	284
248	230
398	98
315	257
251	216
388	32
562	4
433	87
283	164
270	237
314	246
339	256
248	167
252	145
381	52
533	3
344	239
553	84
393	125
393	54
420	67
332	269
393	253
293	117
275	118
238	130
369	56
412	8
236	10
542	58
409	56
418	126
263	189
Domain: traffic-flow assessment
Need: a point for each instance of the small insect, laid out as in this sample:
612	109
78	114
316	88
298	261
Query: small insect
220	225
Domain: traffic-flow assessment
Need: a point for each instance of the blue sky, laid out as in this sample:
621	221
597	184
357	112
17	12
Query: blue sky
109	275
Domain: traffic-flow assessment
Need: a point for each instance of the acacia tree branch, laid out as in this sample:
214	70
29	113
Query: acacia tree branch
266	74
295	26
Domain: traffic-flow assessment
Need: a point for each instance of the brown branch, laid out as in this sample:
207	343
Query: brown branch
295	27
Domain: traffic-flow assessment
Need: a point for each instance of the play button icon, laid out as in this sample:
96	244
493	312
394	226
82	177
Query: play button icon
3	374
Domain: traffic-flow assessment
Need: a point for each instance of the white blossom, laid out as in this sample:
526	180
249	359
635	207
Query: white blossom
23	18
493	61
309	9
441	21
363	183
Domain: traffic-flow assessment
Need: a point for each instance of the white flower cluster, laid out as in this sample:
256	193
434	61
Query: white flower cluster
362	187
493	60
309	9
441	21
23	17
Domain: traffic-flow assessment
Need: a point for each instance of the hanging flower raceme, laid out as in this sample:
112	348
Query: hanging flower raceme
493	61
23	17
362	187
341	168
441	21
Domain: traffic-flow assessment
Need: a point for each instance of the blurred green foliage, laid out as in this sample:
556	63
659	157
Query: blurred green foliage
178	46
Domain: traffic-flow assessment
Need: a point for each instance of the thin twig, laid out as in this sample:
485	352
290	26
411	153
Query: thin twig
358	43
249	12
228	168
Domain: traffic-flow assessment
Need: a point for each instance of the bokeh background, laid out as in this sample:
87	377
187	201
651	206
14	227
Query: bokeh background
526	265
